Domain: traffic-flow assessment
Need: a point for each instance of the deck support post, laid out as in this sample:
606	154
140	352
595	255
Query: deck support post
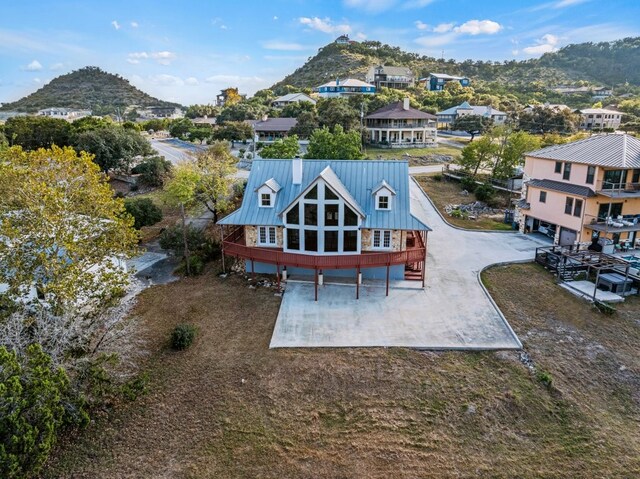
315	282
222	247
595	288
278	275
358	282
424	260
387	279
253	269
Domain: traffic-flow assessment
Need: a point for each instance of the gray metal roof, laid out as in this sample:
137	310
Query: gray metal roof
568	188
396	111
486	111
274	124
617	151
355	178
293	97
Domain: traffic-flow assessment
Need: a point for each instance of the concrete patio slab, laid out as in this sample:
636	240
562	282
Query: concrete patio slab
452	312
585	289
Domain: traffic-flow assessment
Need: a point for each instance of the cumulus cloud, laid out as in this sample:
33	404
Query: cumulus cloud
444	27
217	22
286	46
167	80
449	32
548	43
116	25
34	66
163	58
324	25
421	25
477	27
191	81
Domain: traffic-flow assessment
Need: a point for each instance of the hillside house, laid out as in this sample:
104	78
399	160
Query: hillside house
584	190
328	218
68	114
290	98
397	125
343	40
599	118
345	88
437	81
271	129
399	78
446	117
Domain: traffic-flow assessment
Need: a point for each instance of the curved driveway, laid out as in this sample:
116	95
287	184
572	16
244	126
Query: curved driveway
452	312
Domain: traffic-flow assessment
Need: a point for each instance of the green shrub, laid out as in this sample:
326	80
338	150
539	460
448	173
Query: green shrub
605	308
198	242
144	212
196	265
545	378
459	214
153	170
35	403
182	336
485	192
437	177
468	183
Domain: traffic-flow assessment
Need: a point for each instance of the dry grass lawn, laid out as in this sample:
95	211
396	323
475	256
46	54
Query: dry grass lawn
443	193
414	155
231	408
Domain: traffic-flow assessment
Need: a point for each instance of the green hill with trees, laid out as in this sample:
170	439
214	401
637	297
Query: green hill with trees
606	63
88	88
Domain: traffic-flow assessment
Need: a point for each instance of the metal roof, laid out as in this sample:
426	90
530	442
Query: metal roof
387	70
347	82
292	97
271	183
274	124
477	110
357	177
446	77
396	111
568	188
599	111
617	151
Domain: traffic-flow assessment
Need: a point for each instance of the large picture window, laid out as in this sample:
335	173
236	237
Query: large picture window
293	239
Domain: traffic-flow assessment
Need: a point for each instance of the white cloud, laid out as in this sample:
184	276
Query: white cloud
192	81
361	36
163	58
324	25
286	46
377	6
232	79
421	25
548	43
164	79
444	27
56	67
134	24
477	27
217	22
37	80
436	40
275	17
116	25
34	66
568	3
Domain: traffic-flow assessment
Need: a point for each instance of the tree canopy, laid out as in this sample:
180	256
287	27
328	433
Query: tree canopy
284	148
335	144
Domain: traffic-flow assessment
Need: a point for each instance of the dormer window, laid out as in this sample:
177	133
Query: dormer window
265	200
383	195
383	202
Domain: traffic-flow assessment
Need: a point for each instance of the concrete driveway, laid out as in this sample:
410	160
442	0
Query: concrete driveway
452	312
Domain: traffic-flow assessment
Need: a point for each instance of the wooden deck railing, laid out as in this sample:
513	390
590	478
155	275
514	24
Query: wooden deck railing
234	246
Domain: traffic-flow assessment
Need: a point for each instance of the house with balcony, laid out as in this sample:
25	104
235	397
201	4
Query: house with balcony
399	78
448	116
437	81
290	98
271	129
345	88
599	118
317	218
587	191
397	125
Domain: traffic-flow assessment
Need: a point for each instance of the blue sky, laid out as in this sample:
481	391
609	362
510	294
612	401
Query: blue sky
187	50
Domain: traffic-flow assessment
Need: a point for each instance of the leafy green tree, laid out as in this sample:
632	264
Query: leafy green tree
233	131
306	125
337	111
283	148
89	123
33	132
293	110
153	170
517	144
200	133
35	403
216	166
180	127
549	120
144	212
198	111
113	147
478	155
58	219
244	110
472	124
156	124
325	144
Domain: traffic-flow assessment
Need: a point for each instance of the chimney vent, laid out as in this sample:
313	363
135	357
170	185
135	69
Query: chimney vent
405	104
296	170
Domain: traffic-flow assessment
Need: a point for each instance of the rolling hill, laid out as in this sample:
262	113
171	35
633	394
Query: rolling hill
88	88
607	63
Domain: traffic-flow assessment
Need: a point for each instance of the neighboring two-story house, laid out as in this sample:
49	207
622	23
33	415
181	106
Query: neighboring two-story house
345	88
599	118
397	125
270	129
448	116
583	190
329	217
437	81
399	78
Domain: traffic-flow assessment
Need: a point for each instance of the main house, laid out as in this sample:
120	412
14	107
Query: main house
345	88
437	81
399	78
400	126
328	217
599	118
446	117
583	191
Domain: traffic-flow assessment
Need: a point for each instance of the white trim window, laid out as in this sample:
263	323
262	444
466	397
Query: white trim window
267	236
381	239
384	202
266	200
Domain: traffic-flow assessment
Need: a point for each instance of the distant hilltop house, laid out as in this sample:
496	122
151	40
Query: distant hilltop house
229	94
270	129
160	112
390	77
447	117
344	40
68	114
599	118
547	106
348	87
437	81
597	93
320	218
290	98
583	191
399	126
